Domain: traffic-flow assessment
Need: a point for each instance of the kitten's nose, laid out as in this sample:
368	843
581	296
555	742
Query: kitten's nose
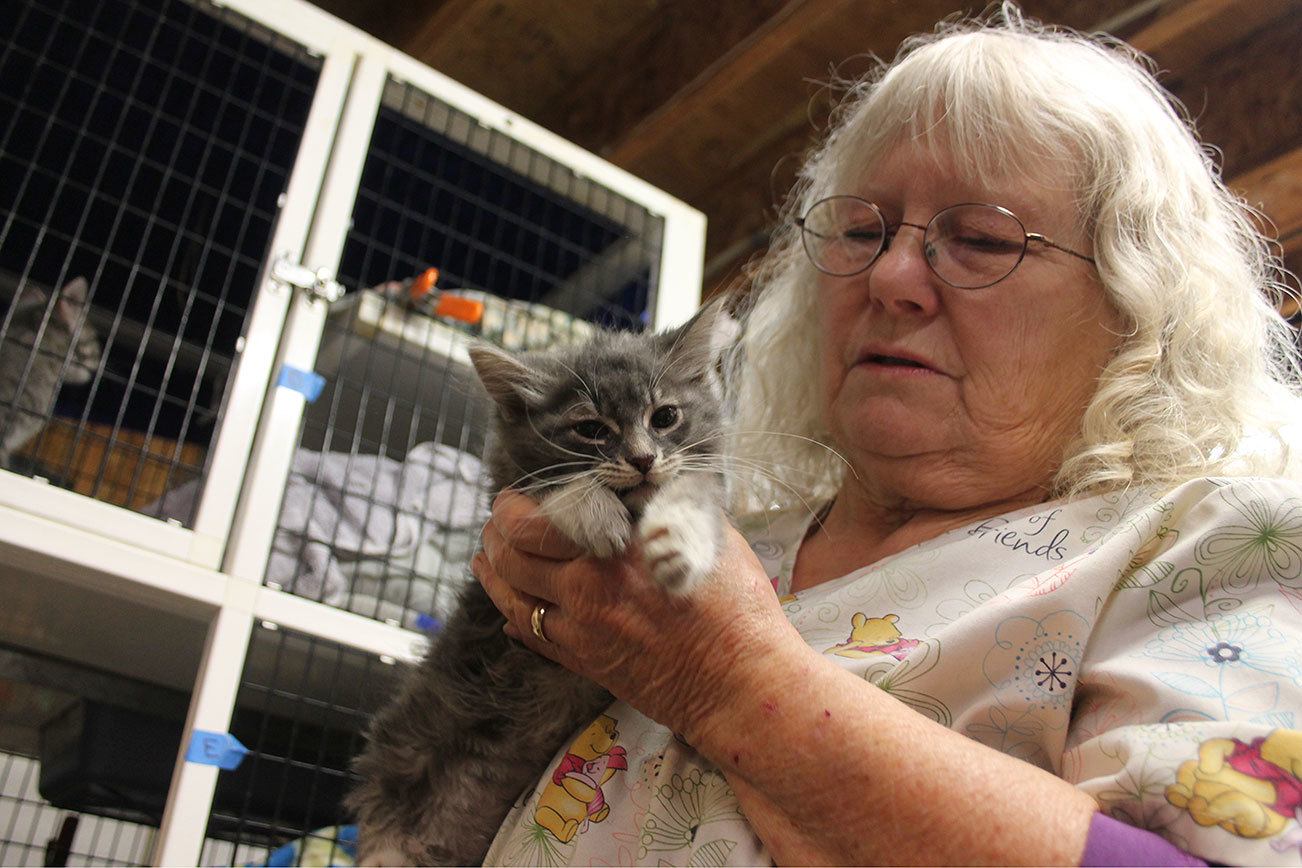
642	462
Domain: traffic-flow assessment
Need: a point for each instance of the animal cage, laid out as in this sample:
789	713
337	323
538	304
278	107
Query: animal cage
243	250
143	154
37	833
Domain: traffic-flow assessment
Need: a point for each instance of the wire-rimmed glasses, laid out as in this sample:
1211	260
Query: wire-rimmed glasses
969	246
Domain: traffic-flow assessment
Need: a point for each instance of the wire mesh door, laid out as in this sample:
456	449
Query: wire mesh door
34	832
88	734
143	150
301	709
458	232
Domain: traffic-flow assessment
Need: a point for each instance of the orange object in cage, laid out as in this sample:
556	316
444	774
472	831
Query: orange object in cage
464	309
422	283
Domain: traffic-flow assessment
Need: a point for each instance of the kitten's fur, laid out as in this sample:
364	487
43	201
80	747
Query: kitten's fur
63	347
479	719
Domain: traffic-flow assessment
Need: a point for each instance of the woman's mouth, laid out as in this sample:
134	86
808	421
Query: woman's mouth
896	362
888	365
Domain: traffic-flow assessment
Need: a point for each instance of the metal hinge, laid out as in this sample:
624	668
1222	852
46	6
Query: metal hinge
319	285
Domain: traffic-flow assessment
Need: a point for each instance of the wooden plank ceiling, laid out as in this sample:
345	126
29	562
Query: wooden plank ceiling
715	100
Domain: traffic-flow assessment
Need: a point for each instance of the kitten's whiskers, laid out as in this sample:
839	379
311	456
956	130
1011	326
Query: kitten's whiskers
537	474
758	433
718	463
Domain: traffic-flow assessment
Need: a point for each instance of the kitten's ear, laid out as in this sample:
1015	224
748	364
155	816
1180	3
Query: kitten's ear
699	343
75	290
508	381
32	296
72	298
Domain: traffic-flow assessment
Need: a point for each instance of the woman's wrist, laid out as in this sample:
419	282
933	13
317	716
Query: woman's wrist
746	702
800	721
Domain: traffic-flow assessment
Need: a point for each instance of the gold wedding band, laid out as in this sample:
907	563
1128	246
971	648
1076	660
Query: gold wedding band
536	621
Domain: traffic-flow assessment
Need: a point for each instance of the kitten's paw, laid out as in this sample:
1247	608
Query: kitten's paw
595	519
605	538
679	545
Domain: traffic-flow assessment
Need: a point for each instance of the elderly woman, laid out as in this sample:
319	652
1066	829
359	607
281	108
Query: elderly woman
1014	371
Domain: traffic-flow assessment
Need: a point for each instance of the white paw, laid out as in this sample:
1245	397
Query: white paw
605	538
593	518
679	546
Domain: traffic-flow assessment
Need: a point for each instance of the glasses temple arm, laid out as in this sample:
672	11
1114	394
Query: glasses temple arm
1035	236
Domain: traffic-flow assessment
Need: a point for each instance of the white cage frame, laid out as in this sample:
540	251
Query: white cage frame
213	573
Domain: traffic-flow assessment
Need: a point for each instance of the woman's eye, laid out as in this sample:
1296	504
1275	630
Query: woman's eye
665	417
862	234
592	429
988	243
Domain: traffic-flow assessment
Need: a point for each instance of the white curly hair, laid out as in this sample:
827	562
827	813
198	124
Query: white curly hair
1206	378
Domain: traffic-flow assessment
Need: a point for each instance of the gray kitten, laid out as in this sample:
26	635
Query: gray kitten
617	437
63	348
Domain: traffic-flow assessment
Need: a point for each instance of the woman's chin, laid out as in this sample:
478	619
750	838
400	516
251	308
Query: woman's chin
892	436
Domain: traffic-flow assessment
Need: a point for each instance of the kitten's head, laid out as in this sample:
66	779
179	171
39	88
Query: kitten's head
66	332
627	411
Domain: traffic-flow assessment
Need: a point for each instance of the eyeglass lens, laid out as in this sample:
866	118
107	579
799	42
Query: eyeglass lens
967	246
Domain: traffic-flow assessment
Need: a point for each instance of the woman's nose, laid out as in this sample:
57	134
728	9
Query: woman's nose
901	280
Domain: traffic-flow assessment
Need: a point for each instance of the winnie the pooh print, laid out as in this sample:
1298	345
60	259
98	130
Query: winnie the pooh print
1250	789
573	798
869	636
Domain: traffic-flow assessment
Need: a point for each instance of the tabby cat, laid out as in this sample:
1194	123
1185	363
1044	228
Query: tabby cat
43	342
616	437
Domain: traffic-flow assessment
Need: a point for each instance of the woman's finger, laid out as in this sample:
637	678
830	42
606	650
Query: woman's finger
518	609
510	602
528	529
524	571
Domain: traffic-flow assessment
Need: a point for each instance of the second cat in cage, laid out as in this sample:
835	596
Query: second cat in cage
48	344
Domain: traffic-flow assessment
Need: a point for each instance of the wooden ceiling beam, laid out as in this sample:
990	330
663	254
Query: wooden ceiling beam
412	27
1275	188
640	74
714	123
524	55
737	66
1246	99
422	32
1190	32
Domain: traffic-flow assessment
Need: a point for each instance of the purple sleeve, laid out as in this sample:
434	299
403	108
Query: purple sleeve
1112	842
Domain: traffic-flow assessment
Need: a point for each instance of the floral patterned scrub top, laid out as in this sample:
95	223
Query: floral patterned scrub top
1147	648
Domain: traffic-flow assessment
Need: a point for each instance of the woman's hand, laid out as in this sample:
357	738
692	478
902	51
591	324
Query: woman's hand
790	729
671	656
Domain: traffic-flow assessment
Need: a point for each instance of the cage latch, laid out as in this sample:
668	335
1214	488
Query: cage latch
319	285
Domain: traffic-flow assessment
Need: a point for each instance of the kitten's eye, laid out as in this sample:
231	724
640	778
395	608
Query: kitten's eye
593	430
665	417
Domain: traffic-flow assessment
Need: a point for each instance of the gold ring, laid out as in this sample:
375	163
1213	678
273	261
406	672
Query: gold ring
536	621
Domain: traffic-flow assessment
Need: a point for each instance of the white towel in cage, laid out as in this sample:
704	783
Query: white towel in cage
386	538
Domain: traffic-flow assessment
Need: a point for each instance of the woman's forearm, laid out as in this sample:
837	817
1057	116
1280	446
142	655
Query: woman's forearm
830	769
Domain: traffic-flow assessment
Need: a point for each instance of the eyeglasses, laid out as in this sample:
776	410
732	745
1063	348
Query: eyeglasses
969	246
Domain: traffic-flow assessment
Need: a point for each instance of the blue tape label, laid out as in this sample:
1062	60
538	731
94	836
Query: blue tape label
219	749
307	383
